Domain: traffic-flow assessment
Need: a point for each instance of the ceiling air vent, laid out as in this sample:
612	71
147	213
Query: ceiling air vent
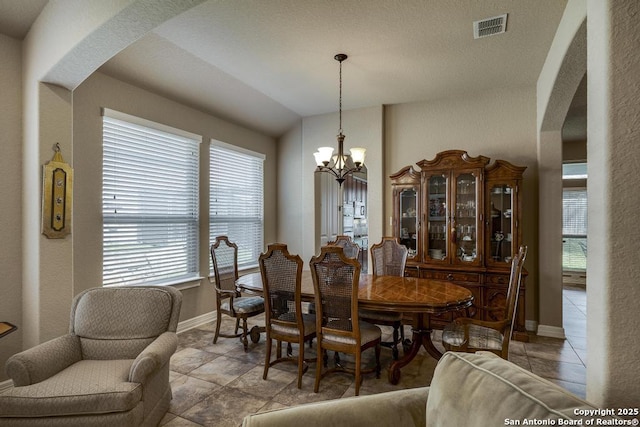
490	26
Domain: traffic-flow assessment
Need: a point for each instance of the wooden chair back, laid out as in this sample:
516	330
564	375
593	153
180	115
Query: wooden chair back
389	257
281	280
224	255
335	281
351	249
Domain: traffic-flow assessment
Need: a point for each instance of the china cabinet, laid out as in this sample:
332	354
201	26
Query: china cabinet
406	202
460	217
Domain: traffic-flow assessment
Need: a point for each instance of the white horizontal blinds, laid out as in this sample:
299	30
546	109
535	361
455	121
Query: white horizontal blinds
574	212
149	204
236	200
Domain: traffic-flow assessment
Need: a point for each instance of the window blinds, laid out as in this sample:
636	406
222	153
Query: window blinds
149	204
574	212
236	200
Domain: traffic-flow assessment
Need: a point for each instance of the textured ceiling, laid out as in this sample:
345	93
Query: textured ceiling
264	64
16	16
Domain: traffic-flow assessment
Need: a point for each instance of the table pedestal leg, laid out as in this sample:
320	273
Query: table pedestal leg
421	337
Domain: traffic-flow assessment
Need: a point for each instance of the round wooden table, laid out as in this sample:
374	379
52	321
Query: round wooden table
414	295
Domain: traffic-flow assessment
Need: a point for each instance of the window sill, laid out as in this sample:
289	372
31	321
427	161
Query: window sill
180	284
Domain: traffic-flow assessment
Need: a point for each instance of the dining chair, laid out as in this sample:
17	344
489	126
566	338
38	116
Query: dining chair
351	249
471	335
338	327
388	258
229	301
282	282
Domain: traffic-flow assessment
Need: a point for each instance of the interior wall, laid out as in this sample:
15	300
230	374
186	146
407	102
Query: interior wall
499	124
559	79
574	151
613	84
55	61
10	193
99	91
290	193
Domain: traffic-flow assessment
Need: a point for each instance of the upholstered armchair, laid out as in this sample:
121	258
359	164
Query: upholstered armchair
111	369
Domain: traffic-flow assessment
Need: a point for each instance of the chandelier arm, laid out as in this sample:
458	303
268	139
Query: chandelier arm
333	171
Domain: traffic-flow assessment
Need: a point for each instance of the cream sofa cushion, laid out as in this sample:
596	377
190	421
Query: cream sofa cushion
482	389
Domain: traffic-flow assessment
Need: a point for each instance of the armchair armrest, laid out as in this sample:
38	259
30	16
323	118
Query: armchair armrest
153	357
400	407
44	360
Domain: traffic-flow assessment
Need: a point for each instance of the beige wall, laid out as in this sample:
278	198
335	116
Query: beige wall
362	128
54	62
613	84
559	79
499	124
10	193
103	91
574	151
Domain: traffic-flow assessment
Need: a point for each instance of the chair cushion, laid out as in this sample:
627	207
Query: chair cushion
368	333
245	305
86	387
479	337
309	321
383	316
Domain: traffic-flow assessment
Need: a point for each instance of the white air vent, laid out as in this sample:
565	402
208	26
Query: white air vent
490	26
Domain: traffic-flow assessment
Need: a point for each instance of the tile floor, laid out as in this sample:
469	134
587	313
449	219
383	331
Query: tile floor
217	385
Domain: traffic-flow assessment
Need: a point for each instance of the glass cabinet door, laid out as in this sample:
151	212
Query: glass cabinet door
437	215
501	226
465	224
409	225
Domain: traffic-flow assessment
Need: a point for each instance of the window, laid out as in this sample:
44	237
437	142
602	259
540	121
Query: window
574	229
574	171
574	218
236	200
149	202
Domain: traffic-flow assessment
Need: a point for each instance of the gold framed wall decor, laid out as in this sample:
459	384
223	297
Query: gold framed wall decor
57	196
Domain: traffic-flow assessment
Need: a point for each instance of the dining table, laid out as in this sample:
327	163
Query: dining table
416	296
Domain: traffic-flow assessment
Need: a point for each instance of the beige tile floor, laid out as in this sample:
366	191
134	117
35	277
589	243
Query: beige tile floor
217	385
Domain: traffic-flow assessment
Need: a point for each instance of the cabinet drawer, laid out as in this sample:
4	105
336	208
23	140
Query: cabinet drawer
497	279
453	276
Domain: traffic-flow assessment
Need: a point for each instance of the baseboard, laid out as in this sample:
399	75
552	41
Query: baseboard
194	322
551	331
5	385
531	325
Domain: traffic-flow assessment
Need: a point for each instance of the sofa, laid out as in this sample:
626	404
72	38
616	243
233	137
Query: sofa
111	369
468	389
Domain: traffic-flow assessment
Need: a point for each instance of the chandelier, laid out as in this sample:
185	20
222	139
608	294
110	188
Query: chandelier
339	165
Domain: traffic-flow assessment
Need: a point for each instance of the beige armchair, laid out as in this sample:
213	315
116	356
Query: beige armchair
112	368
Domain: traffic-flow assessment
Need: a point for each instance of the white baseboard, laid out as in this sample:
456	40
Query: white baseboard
194	322
551	331
531	325
5	385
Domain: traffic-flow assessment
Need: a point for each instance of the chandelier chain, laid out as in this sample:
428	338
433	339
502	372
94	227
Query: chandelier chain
340	103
